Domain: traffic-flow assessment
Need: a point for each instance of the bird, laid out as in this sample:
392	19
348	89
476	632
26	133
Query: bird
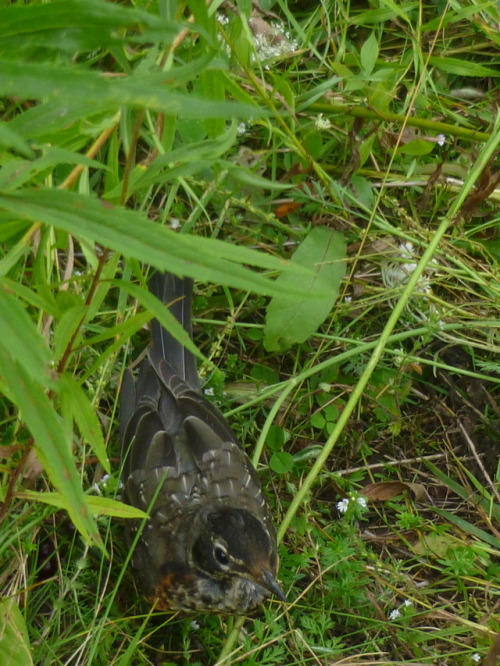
209	543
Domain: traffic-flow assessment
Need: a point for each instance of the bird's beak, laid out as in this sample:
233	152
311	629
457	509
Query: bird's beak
267	580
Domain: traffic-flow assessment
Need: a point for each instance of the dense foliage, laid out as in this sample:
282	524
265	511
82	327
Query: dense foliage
219	140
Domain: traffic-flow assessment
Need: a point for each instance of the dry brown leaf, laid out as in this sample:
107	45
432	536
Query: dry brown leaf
386	490
33	467
493	656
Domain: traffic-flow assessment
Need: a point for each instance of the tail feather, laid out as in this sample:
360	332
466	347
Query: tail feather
177	294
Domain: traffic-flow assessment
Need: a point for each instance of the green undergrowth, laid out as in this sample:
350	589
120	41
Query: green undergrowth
360	142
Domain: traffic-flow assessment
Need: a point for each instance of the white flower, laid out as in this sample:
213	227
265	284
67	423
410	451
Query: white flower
394	614
395	274
209	392
96	487
322	123
343	505
440	139
273	43
362	502
407	603
407	249
174	223
476	657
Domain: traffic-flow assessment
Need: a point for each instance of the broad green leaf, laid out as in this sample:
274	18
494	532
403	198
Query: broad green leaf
281	462
51	445
369	54
462	67
76	25
101	506
37	81
287	323
493	246
21	340
416	147
133	235
51	119
85	416
14	640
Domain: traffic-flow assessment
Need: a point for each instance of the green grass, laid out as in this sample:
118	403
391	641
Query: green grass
372	414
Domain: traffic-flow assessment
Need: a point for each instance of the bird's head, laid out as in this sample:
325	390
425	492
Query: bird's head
236	549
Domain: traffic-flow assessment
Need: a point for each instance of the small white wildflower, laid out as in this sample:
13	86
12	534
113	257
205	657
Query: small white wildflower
222	18
476	657
408	267
407	249
322	123
174	223
343	505
440	139
395	274
399	357
273	43
394	614
194	624
104	479
209	392
348	299
407	603
362	502
323	386
241	129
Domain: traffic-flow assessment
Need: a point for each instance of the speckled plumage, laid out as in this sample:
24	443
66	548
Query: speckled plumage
209	544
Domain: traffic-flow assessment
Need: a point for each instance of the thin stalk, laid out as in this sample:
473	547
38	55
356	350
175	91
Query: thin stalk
380	346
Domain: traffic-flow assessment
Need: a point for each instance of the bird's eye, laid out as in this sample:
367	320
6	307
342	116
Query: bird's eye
221	555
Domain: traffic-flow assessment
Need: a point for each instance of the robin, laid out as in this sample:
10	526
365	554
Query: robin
209	543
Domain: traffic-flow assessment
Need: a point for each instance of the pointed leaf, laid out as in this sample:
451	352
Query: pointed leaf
85	416
14	641
287	322
20	338
37	81
101	506
134	236
369	54
51	445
